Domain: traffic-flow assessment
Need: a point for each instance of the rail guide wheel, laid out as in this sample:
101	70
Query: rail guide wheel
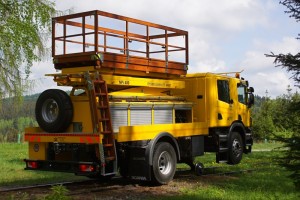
199	169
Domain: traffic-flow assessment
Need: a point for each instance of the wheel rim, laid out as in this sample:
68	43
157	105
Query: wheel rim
236	148
50	110
164	163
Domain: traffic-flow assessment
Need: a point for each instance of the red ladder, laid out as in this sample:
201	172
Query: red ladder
103	118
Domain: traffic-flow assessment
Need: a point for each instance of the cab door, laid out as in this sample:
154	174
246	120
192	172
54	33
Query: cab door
242	111
224	103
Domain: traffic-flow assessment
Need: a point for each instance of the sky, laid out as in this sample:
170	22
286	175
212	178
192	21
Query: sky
224	36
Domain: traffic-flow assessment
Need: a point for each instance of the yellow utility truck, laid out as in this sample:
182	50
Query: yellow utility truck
132	108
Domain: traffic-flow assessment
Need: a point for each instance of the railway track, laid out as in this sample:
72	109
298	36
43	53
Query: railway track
118	182
47	185
224	170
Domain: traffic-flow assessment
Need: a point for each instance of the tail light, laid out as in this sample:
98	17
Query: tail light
86	168
32	164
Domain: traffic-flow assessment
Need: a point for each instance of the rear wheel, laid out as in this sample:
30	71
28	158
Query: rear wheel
235	148
54	110
164	163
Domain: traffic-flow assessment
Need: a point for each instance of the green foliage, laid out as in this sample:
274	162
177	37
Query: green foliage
59	192
292	64
279	119
14	119
24	29
291	159
20	196
9	129
263	126
274	118
263	122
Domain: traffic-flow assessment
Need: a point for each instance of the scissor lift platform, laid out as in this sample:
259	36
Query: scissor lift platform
118	45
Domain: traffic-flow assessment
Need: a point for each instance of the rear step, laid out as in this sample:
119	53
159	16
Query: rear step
222	148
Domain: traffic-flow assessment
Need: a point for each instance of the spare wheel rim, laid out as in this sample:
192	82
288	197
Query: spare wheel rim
50	110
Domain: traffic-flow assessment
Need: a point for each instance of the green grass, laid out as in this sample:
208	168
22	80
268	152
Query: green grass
12	168
270	145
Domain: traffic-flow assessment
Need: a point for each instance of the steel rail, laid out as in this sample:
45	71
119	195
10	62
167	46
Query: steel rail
217	170
11	189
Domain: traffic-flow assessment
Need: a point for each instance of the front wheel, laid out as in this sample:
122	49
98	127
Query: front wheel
235	148
164	163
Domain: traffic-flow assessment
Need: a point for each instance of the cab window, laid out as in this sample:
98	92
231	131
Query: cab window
223	90
241	93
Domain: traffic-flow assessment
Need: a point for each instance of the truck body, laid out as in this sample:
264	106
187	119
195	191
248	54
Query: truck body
133	109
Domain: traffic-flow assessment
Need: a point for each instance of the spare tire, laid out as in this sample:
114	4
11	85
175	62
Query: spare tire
54	110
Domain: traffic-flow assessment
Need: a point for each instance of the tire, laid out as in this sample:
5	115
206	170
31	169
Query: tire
235	148
164	163
54	111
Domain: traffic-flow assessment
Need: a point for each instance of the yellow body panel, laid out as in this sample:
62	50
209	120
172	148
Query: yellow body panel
148	132
74	78
37	150
81	113
142	82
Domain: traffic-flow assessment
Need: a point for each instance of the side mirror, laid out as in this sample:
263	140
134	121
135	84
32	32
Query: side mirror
251	90
247	83
250	100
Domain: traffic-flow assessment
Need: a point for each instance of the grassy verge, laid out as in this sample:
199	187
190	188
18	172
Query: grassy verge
12	168
268	181
270	145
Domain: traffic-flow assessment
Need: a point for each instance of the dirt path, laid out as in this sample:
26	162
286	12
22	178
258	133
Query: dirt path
119	188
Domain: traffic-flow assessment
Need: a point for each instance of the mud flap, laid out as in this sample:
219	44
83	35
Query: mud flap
138	165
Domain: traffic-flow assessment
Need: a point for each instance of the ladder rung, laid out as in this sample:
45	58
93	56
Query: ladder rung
108	145
102	107
110	158
223	149
106	132
223	138
104	119
99	81
100	94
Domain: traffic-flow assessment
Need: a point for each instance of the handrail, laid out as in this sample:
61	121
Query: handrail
76	32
